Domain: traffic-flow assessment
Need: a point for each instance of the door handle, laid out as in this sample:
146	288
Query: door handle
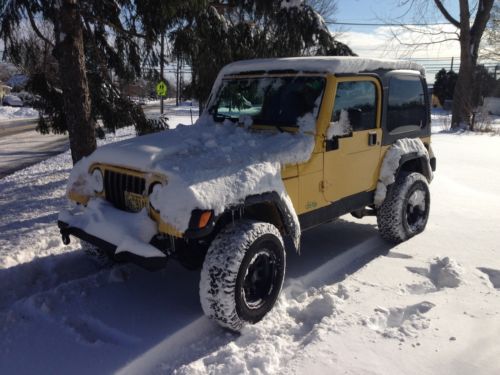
372	139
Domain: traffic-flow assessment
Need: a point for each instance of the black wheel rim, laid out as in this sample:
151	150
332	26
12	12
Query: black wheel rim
259	279
416	210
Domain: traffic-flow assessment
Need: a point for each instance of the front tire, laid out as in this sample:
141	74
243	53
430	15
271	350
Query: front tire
242	274
405	210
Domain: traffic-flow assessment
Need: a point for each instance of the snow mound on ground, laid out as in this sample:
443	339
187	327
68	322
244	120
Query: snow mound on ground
11	113
390	164
442	272
493	275
400	322
446	273
299	318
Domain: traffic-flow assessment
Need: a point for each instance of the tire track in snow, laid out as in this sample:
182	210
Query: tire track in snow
42	275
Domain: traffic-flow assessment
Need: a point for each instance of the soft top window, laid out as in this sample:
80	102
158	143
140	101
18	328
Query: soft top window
406	110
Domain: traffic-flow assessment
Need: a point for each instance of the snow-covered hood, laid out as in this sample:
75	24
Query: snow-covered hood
204	146
207	165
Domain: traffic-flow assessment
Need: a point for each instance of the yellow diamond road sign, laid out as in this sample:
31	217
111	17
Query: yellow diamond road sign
161	89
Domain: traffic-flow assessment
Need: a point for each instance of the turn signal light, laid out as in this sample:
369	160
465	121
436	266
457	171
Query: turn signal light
204	219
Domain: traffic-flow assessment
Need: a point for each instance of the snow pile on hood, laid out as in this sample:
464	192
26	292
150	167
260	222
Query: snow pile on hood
390	164
207	165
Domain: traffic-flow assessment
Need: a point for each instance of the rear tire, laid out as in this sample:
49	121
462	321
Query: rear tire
405	210
242	274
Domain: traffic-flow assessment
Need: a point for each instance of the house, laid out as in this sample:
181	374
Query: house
4	90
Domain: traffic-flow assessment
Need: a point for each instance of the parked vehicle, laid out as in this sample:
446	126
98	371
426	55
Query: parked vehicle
283	145
12	100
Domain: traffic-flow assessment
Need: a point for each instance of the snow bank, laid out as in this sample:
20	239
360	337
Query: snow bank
11	113
390	164
299	318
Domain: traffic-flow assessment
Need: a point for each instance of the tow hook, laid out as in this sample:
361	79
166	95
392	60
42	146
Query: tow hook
65	237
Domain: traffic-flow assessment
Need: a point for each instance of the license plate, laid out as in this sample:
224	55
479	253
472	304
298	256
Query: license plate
135	202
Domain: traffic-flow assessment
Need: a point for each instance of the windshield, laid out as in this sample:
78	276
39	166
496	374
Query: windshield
276	101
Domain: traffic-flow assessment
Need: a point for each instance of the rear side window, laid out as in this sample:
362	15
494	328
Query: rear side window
406	109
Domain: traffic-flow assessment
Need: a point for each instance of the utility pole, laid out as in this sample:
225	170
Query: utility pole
451	67
177	95
162	60
181	80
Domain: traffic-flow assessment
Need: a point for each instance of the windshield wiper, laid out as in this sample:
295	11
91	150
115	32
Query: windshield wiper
220	116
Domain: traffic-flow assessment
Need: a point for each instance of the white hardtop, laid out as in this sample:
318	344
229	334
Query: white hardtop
321	64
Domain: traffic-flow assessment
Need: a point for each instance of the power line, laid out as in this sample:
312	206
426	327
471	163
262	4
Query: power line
385	24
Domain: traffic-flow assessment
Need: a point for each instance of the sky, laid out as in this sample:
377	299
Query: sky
379	41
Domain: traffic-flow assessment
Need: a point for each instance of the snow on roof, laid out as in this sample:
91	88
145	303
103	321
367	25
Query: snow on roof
323	64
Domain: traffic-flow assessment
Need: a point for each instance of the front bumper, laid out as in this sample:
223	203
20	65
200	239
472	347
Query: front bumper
149	263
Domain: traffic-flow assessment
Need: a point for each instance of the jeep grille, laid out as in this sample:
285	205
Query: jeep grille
116	184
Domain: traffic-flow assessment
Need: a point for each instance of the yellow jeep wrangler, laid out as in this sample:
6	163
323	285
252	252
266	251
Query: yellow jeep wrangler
282	146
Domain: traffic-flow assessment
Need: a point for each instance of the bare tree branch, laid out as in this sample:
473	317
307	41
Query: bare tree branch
446	14
415	44
482	16
36	29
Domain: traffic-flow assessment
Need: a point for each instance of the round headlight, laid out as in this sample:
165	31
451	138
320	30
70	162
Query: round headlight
97	180
154	195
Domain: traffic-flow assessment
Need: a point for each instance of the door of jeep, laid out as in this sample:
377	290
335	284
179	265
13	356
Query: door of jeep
352	153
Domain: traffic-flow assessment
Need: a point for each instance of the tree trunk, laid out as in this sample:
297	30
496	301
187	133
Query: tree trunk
462	96
470	38
69	52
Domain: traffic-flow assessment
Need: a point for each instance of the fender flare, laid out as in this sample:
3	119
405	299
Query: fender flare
290	225
416	159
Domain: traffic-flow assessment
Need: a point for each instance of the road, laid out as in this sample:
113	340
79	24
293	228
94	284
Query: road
10	127
21	145
23	148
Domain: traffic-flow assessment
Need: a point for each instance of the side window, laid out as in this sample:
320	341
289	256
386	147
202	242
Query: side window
355	107
406	107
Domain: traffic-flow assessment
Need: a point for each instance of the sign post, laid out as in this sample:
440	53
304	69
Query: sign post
161	91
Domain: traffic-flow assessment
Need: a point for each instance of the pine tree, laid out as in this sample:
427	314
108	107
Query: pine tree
444	85
92	43
226	31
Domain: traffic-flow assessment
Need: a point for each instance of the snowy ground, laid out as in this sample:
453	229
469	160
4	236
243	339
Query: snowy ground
15	113
484	122
351	303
